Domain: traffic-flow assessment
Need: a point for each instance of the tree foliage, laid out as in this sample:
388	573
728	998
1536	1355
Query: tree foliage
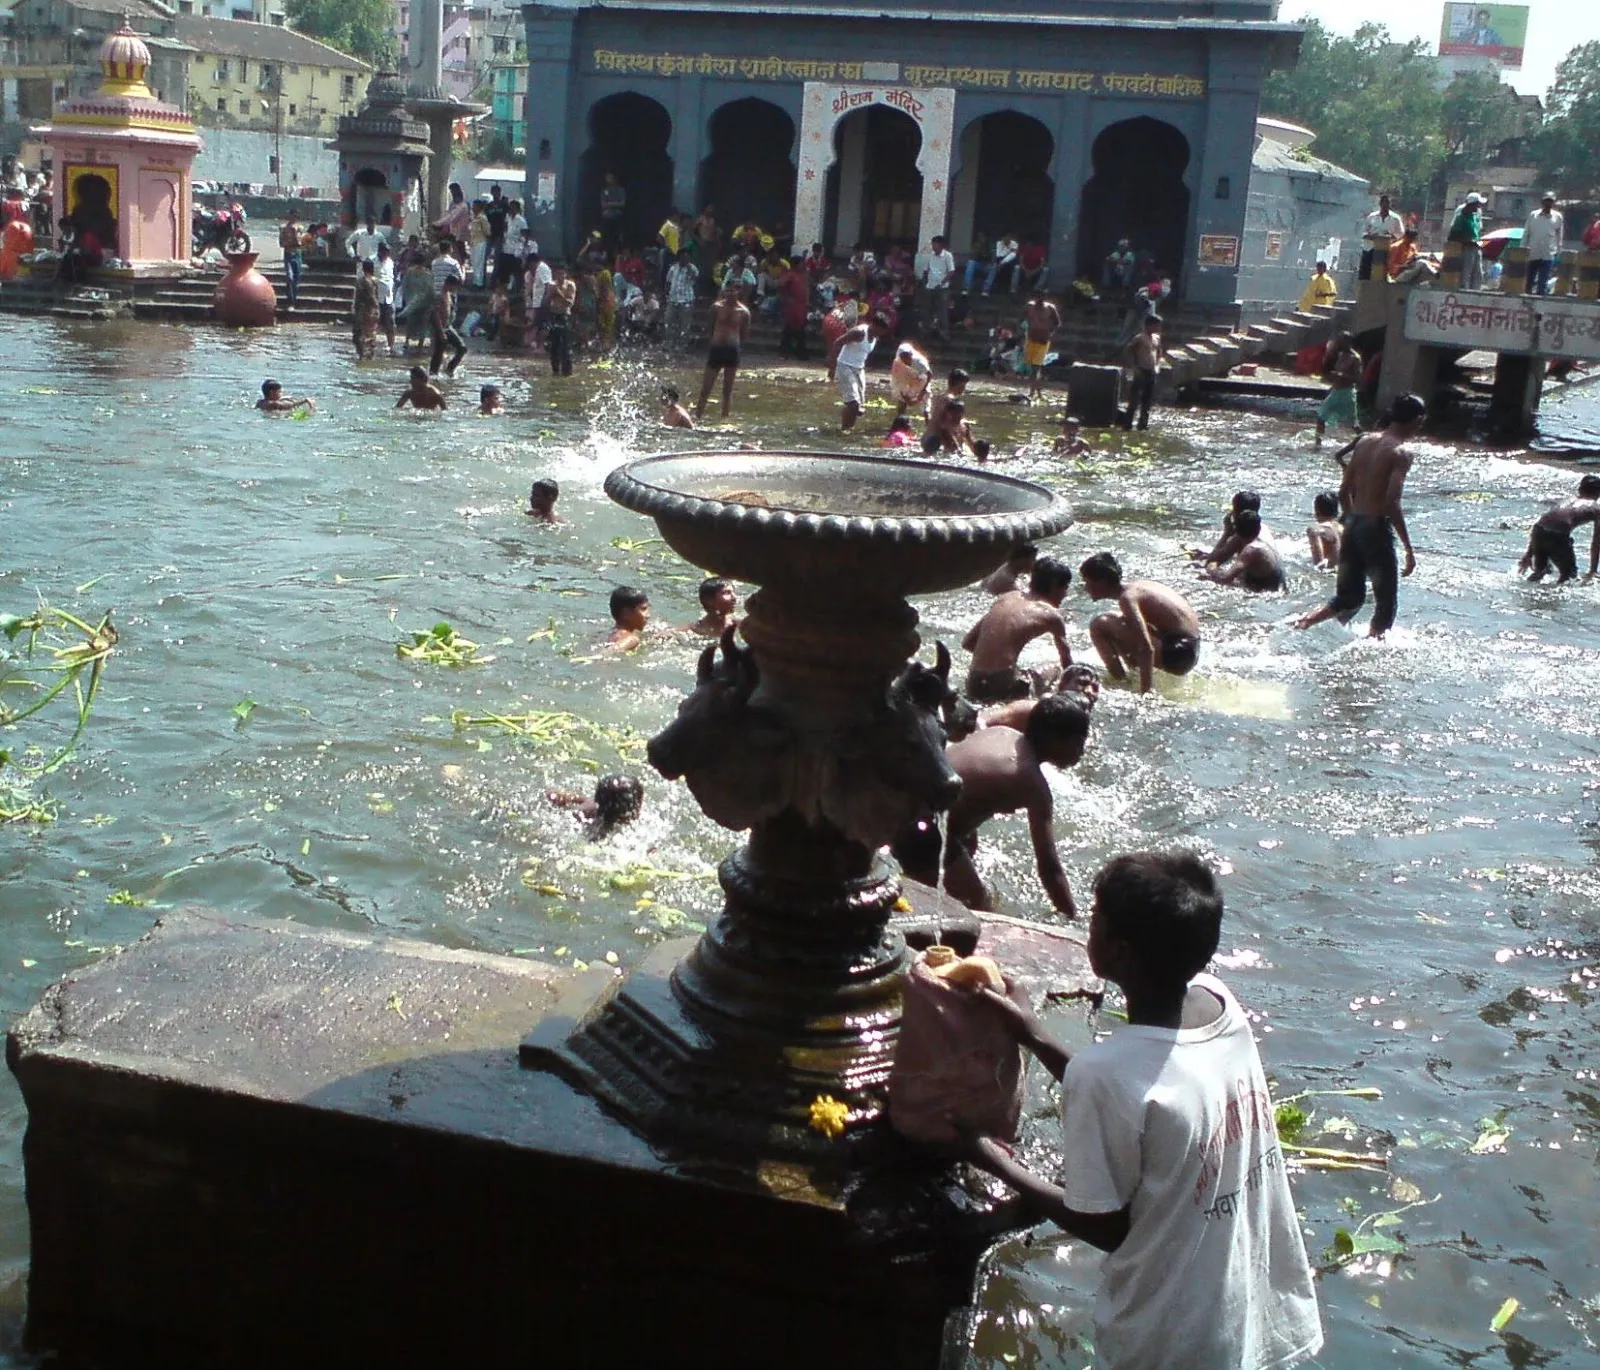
1480	113
363	28
1373	102
1568	146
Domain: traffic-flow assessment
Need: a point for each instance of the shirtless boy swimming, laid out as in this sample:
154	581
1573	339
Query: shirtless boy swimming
720	602
1370	494
996	640
1550	540
1153	626
422	393
274	401
542	502
1071	442
730	326
1024	557
1324	536
673	414
1255	565
630	614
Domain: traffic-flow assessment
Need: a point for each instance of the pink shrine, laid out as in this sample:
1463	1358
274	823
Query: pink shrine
122	161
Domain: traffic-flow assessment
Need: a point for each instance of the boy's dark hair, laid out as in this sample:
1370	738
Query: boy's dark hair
1326	505
712	585
900	424
1408	409
1166	907
981	447
958	377
618	799
546	487
1247	524
1049	575
267	387
1246	499
367	268
1101	566
1023	551
668	395
626	597
419	373
1063	716
488	390
1589	487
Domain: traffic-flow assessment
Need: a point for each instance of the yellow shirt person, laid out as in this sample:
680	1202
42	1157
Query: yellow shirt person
1319	290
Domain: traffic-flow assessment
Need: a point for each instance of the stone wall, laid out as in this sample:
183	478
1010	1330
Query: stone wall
1300	208
246	155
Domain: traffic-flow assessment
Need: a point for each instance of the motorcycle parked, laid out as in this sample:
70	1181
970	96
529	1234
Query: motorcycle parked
221	228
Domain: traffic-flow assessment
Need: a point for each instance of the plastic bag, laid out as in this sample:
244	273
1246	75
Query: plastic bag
957	1068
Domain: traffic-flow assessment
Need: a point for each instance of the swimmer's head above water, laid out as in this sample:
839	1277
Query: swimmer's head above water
1050	579
617	800
1101	575
1589	487
1247	524
1326	505
1058	729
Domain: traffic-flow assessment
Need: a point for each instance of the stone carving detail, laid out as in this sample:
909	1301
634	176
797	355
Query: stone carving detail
745	764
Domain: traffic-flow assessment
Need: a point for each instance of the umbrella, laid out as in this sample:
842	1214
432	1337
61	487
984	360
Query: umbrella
1495	243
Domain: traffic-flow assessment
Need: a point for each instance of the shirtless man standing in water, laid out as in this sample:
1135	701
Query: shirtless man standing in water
1043	321
1374	481
1152	626
730	326
996	640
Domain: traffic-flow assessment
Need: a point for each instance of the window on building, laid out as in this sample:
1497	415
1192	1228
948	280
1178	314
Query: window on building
324	71
293	110
185	6
269	76
244	107
222	104
244	69
347	87
294	68
224	75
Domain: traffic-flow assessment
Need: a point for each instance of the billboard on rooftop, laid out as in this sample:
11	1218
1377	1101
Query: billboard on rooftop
1493	31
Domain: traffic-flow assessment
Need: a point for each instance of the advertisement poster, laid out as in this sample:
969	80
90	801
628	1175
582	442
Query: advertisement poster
1218	249
1495	31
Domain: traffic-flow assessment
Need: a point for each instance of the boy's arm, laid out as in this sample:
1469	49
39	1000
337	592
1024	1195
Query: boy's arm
1105	1230
1041	828
970	642
403	400
1397	515
1144	653
1594	548
1058	630
1016	1011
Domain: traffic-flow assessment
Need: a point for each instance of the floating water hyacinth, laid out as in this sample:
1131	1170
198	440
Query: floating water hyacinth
441	645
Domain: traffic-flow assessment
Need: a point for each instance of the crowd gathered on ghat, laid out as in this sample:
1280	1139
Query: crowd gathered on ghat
1171	1161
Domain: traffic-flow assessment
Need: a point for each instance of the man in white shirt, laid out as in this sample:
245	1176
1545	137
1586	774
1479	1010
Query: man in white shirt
683	278
513	246
1542	235
1005	259
1380	231
535	281
934	272
383	273
363	246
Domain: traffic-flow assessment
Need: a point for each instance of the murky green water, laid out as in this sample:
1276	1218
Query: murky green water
1410	827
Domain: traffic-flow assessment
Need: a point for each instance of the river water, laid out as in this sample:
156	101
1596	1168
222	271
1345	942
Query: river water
1409	828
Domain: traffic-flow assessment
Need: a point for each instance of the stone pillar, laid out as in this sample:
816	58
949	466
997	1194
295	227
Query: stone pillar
811	164
1408	367
933	161
1070	169
1222	169
685	144
552	165
1518	381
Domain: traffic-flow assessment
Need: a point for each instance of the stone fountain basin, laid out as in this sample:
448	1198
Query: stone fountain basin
875	526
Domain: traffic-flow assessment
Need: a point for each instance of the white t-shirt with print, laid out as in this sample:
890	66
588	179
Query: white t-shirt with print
1178	1125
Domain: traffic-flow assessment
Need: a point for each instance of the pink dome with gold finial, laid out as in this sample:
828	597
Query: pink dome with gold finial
124	58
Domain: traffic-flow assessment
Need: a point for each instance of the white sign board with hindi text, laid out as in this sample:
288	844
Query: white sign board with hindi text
1536	324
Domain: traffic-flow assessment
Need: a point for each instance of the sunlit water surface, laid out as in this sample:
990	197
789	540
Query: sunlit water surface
1409	828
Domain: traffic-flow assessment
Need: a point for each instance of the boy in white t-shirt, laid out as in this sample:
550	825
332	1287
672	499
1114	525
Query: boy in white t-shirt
1170	1151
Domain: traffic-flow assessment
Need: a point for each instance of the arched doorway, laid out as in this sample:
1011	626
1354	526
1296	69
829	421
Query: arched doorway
1136	192
92	209
372	199
1004	185
628	136
874	184
748	175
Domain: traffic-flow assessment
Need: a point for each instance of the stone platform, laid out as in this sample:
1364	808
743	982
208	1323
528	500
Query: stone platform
255	1144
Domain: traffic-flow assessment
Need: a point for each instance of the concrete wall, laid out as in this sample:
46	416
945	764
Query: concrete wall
1296	210
243	155
565	81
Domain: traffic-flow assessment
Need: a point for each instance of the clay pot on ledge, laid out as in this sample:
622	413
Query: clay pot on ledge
244	297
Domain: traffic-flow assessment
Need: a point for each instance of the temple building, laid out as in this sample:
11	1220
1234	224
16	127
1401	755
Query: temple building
1070	123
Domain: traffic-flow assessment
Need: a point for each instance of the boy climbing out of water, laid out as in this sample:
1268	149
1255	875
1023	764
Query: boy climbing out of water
542	497
1013	621
1370	494
1153	626
1023	558
673	414
630	614
422	392
1323	536
489	400
274	401
1550	541
1170	1153
720	602
616	803
1001	771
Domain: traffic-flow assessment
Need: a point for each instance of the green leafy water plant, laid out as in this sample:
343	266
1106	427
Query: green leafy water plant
441	645
45	656
569	736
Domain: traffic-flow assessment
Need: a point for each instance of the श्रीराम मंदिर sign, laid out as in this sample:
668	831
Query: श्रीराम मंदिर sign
1164	86
1526	324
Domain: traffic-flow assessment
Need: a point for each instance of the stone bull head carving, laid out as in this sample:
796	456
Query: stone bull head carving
735	758
885	773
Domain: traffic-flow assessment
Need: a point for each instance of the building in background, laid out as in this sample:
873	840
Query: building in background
475	38
1075	124
508	106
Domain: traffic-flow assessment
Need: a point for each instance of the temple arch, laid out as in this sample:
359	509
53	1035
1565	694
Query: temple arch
1004	184
748	174
1136	192
628	135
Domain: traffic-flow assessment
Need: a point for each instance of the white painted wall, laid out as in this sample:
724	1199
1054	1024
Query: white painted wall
246	155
